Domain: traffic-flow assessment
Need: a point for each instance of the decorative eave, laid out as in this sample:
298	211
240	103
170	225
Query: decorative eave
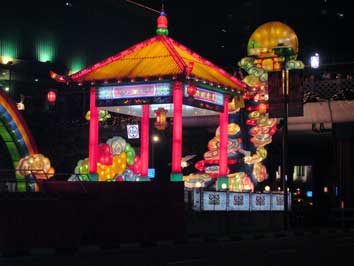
187	79
214	86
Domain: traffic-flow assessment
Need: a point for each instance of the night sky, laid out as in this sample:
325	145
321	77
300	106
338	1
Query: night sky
217	30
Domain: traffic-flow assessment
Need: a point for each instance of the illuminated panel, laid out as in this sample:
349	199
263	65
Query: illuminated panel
277	202
260	202
134	91
204	99
207	96
134	94
239	201
214	201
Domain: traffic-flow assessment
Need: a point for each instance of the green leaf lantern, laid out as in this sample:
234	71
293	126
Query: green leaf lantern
129	150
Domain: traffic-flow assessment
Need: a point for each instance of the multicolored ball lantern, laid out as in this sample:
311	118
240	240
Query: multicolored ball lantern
117	161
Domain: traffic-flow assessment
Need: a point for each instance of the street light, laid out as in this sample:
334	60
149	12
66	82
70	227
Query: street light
315	61
155	138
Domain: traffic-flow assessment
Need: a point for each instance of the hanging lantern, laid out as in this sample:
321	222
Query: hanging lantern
191	90
262	108
51	96
161	121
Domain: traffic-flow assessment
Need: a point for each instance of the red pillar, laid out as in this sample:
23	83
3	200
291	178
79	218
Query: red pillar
93	135
144	140
224	121
176	174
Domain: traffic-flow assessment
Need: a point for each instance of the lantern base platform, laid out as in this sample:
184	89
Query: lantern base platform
176	177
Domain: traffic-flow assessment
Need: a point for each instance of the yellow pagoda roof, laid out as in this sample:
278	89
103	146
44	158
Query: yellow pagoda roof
156	57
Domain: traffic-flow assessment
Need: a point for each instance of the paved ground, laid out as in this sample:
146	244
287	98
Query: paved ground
318	246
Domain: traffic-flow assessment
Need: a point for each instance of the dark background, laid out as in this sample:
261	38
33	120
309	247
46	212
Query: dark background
217	30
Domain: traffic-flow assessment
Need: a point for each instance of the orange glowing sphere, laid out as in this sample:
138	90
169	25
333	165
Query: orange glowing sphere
262	108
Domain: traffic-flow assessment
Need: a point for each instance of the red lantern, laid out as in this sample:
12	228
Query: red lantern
161	121
162	22
191	90
51	96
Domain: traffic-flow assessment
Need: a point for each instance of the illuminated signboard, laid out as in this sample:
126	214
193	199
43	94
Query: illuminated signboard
277	203
134	94
239	201
260	202
133	131
214	201
204	95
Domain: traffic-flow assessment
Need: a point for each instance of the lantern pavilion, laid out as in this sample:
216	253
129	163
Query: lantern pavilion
158	72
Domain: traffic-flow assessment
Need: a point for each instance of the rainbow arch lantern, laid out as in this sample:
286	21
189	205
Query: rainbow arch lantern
21	146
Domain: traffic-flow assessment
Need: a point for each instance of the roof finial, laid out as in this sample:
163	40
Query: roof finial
162	28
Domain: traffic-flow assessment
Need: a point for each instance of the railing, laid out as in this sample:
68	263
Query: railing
328	89
203	200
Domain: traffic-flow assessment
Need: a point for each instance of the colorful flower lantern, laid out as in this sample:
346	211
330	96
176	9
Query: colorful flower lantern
51	96
161	120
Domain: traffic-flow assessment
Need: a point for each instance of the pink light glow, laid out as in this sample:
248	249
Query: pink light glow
93	136
223	138
177	127
144	141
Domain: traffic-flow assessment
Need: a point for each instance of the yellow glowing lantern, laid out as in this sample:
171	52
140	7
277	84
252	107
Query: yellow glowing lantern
271	35
236	103
161	120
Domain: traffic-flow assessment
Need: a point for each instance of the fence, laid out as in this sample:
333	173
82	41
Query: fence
201	200
331	89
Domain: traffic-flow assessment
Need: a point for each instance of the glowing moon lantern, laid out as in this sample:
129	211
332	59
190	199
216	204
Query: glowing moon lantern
271	43
272	35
